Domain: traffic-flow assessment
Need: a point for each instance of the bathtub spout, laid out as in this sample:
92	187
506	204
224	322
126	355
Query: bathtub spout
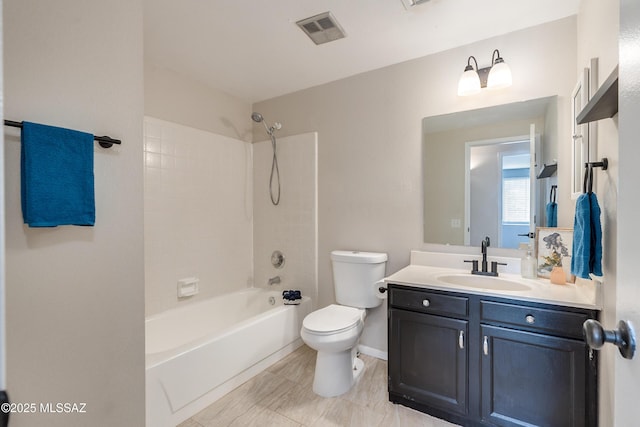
274	280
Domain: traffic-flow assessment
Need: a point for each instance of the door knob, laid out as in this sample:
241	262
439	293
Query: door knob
623	337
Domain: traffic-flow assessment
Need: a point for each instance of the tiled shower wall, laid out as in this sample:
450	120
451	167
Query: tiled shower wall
204	219
197	211
291	226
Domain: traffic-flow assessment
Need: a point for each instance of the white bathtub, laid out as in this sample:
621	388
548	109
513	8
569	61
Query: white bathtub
197	353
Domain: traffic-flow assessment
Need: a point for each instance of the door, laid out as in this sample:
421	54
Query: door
534	153
627	286
4	417
533	379
428	359
498	195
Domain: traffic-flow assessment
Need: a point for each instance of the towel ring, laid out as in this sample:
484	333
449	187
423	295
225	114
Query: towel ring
588	173
587	182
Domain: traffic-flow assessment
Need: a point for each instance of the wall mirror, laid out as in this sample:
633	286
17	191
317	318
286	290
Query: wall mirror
489	172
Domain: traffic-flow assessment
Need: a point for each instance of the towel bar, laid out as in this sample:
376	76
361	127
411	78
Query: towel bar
104	141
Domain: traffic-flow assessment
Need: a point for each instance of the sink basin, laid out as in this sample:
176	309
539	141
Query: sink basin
482	282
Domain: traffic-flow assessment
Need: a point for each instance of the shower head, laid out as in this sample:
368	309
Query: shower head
257	117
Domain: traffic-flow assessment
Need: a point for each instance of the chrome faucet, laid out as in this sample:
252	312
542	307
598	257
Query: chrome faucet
494	264
274	280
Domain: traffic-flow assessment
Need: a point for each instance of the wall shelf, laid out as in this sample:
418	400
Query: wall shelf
548	170
604	103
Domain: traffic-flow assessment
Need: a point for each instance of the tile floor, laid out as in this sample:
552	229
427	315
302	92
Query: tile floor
281	396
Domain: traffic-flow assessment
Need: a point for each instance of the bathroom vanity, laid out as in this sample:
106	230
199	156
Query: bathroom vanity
506	351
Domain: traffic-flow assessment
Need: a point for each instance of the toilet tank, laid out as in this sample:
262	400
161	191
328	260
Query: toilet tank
355	275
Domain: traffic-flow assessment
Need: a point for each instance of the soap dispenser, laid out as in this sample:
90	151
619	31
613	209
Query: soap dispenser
528	264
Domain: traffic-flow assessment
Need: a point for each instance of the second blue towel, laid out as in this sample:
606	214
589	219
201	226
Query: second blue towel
552	214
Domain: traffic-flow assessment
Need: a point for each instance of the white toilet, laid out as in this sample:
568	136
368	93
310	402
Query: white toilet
334	331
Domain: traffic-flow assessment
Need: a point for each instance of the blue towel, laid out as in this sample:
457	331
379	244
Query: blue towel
587	237
57	176
552	214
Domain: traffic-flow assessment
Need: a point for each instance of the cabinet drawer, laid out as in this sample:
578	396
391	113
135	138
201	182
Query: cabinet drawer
538	319
428	302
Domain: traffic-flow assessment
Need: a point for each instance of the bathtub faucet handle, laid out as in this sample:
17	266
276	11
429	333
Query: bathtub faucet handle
274	280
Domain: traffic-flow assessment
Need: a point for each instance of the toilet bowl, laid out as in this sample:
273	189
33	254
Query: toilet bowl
334	332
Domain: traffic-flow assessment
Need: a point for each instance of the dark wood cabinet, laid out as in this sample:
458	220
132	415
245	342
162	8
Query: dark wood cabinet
532	379
429	354
485	361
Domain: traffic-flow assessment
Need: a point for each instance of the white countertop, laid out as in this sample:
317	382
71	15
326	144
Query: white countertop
584	294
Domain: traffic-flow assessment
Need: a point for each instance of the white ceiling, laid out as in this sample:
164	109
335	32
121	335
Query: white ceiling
253	50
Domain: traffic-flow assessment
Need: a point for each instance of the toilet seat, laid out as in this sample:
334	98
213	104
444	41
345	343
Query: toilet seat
333	319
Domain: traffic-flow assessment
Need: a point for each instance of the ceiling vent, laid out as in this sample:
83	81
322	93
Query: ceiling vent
321	28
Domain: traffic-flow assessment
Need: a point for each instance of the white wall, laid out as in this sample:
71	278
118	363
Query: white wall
370	142
171	96
597	35
198	213
291	226
75	295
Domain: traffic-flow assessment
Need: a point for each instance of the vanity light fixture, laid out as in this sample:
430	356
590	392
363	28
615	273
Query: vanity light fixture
497	76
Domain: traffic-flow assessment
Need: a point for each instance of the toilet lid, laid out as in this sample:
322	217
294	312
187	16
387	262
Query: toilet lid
332	318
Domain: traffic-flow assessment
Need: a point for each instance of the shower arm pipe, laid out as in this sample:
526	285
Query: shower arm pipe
267	128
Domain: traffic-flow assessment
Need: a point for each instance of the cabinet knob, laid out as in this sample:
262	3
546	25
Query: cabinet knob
461	339
426	303
530	319
485	346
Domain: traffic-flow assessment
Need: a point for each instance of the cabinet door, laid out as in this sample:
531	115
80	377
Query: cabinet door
428	359
532	379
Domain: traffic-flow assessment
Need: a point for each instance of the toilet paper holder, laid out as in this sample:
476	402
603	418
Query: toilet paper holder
380	289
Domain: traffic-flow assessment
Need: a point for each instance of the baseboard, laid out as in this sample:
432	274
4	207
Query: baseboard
373	352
